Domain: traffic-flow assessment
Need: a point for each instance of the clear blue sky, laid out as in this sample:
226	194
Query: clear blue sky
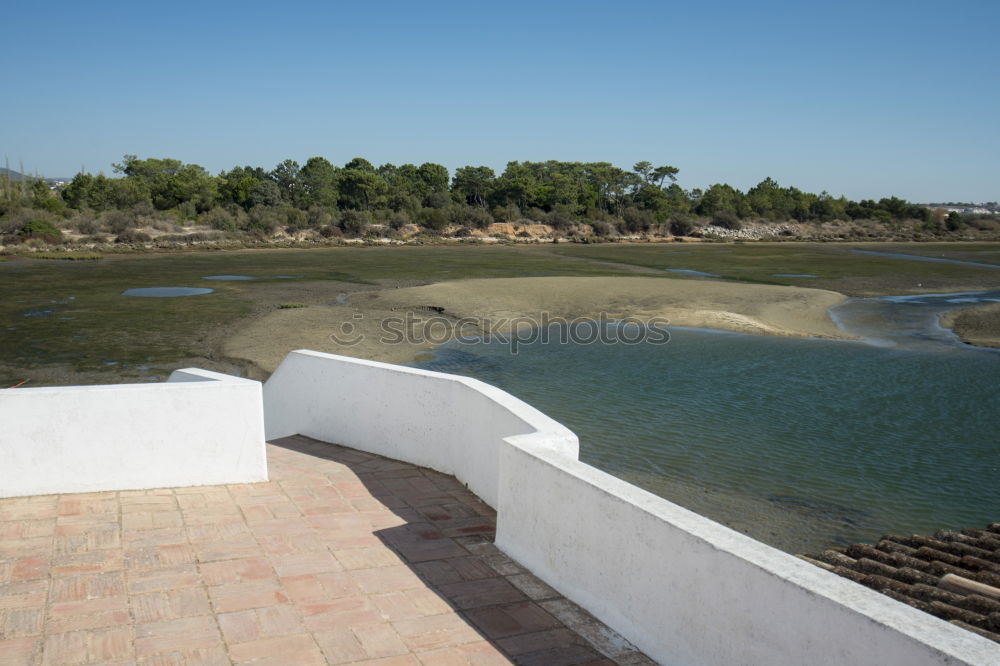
858	98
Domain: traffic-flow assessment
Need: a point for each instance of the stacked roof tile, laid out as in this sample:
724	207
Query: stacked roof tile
952	575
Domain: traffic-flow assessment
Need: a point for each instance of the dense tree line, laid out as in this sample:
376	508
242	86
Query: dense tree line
345	200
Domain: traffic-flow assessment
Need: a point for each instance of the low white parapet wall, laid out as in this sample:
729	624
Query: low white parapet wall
198	428
682	588
445	422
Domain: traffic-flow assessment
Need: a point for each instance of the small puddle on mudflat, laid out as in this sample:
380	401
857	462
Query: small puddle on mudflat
167	292
918	257
688	271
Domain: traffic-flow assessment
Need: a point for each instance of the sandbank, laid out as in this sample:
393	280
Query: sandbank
368	324
975	325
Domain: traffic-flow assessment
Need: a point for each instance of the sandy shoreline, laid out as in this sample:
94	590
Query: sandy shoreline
976	325
370	324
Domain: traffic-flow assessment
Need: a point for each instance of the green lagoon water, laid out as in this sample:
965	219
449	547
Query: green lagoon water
802	444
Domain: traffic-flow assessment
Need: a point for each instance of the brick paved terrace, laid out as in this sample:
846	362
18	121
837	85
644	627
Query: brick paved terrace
343	557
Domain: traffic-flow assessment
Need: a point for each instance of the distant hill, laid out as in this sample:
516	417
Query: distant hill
16	176
11	174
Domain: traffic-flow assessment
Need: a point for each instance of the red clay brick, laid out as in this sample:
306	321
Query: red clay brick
27	568
348	612
236	571
239	627
241	596
181	635
300	564
386	579
477	593
223	531
228	550
436	631
170	604
167	578
396	606
340	645
428	602
30	510
319	587
159	556
154	537
519	618
483	654
25	650
300	650
401	660
97	561
279	621
24	594
18	622
99	620
39	528
367	558
65	649
380	640
472	654
110	644
76	608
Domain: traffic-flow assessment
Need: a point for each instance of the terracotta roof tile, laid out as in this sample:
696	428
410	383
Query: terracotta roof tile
952	575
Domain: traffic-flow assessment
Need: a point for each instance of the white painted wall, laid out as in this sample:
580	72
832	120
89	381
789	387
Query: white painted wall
452	424
199	428
682	588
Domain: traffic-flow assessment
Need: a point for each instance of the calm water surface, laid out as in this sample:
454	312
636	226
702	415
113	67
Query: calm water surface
802	444
166	292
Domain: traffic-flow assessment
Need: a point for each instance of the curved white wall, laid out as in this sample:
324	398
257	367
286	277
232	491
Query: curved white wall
682	588
452	424
199	428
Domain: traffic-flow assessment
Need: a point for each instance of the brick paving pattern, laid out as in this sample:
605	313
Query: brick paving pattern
342	558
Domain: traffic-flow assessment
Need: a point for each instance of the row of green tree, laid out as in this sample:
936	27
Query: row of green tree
561	192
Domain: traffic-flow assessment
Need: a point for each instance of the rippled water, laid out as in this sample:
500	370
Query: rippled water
910	322
802	444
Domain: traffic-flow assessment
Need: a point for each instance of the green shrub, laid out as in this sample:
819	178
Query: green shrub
133	236
42	229
435	219
535	214
117	221
399	220
681	226
637	220
602	228
560	220
508	213
319	217
478	218
68	256
727	220
354	223
219	219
